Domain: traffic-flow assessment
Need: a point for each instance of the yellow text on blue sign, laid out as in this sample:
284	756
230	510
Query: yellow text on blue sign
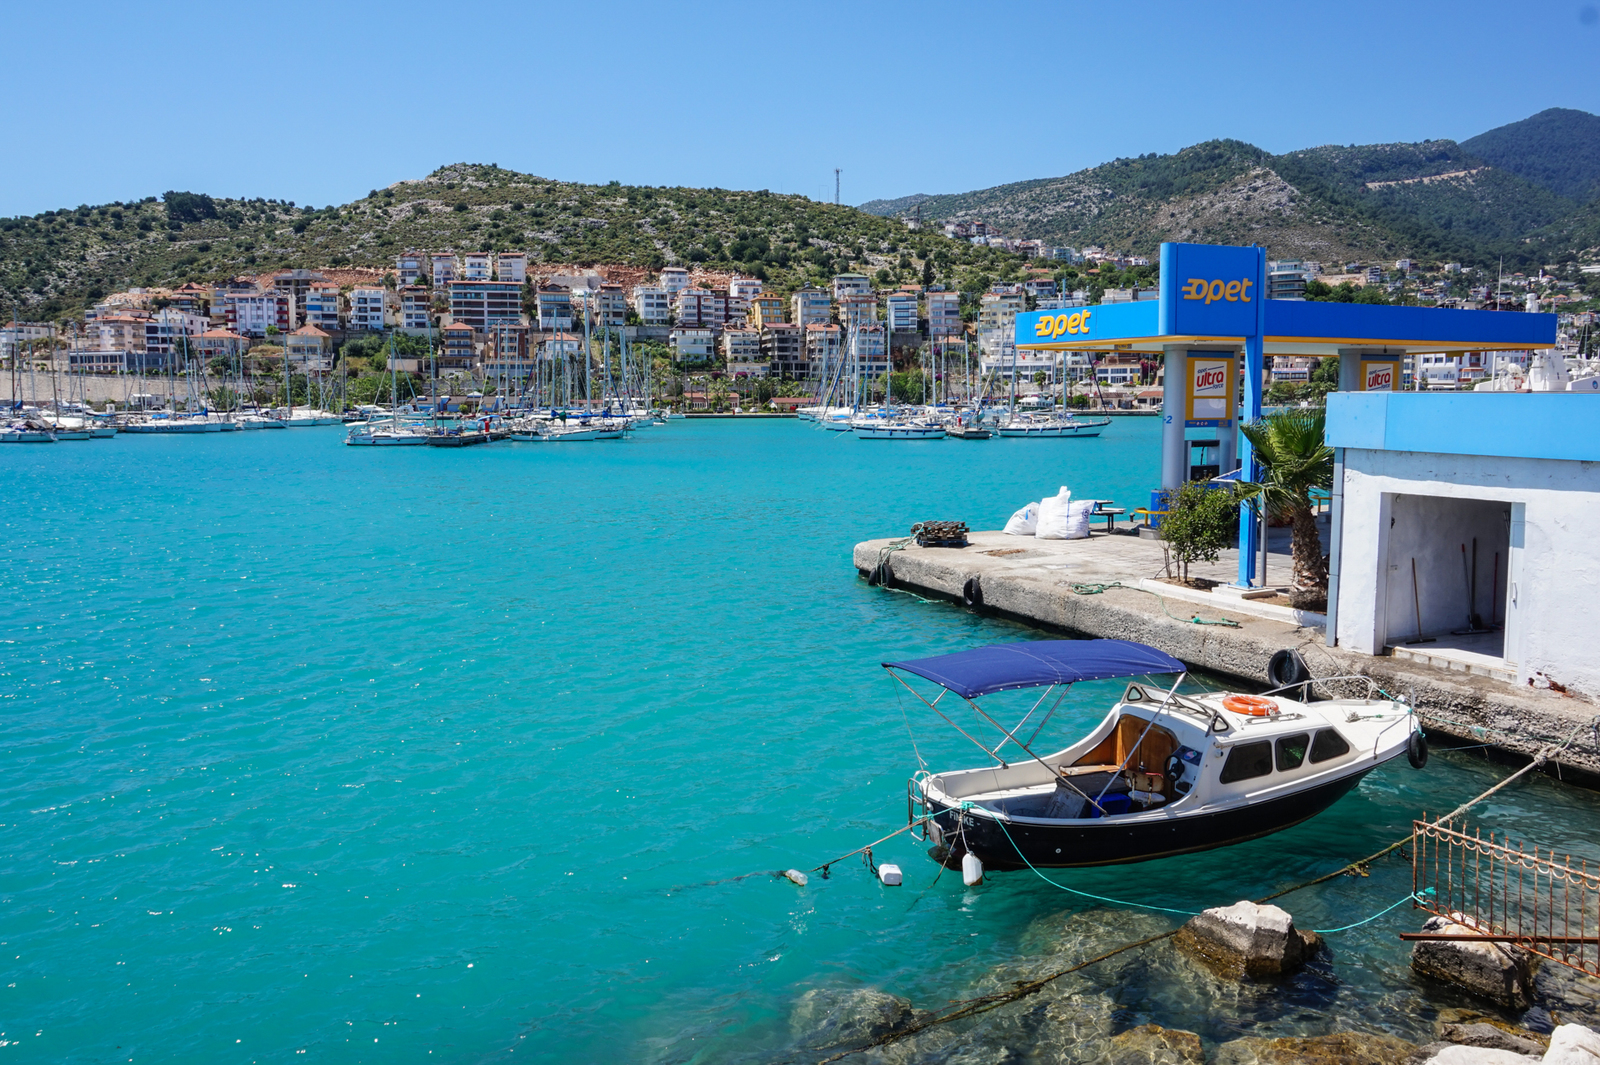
1054	325
1237	291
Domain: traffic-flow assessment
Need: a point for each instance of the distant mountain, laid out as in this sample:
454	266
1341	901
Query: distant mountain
1558	149
57	262
1434	199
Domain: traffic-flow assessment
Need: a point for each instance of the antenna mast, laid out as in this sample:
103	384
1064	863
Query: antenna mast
836	173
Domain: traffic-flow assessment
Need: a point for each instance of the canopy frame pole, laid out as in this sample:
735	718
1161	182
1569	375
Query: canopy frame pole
1054	773
1047	715
1037	703
1171	693
942	714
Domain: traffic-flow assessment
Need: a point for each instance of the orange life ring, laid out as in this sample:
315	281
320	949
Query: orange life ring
1250	705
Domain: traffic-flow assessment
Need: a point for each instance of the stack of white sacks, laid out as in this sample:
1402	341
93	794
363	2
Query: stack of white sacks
1054	518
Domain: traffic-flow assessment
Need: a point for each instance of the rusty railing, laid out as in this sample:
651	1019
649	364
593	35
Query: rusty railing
1504	892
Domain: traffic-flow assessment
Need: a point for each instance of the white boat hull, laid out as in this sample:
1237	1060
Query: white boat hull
900	432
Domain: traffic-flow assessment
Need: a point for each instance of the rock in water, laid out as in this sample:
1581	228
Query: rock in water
1493	1036
1151	1044
1248	940
1496	971
1462	1055
1573	1044
829	1017
1340	1048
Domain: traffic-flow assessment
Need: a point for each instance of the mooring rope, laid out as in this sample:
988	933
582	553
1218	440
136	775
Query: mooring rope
984	1003
1100	588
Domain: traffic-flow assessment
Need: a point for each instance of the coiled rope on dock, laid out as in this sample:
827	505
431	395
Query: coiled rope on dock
1100	588
985	1003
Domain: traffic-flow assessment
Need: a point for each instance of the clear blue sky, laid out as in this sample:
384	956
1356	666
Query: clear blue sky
320	102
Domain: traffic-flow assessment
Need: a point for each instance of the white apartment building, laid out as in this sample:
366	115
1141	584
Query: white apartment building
367	308
512	266
745	288
851	285
251	313
872	348
476	266
999	362
944	314
692	343
997	315
408	267
168	334
811	306
444	268
322	306
610	307
700	306
674	279
652	304
742	349
822	344
901	312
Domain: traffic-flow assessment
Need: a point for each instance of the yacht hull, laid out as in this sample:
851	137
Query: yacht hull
900	432
1084	429
1117	840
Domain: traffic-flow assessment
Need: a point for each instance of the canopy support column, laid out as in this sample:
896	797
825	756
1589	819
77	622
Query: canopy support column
1249	531
1174	459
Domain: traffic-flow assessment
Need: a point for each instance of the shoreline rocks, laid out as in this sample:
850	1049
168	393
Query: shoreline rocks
1499	972
1248	941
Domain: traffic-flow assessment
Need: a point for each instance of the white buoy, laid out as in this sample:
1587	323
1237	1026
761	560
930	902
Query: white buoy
797	876
890	875
971	870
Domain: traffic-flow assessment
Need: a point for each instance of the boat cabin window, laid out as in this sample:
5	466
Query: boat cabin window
1292	751
1247	761
1328	744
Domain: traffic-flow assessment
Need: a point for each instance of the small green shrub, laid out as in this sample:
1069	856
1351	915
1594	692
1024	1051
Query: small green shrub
1201	522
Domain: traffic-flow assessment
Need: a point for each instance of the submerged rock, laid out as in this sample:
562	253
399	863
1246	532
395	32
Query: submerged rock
1248	940
1151	1044
829	1017
1494	1036
1340	1048
1499	972
1451	1054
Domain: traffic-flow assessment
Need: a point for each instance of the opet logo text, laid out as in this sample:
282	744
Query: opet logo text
1233	291
1053	325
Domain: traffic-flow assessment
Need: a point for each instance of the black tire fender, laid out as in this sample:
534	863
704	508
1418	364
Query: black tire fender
972	593
1286	668
1417	750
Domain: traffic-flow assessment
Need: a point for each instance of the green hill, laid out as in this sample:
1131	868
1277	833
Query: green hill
57	262
1430	200
1557	149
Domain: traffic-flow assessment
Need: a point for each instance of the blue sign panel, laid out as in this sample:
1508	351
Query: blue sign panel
1211	290
1108	322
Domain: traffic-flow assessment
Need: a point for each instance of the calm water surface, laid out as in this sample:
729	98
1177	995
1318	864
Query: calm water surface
423	755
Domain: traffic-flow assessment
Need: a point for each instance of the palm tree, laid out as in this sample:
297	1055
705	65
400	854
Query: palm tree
1294	460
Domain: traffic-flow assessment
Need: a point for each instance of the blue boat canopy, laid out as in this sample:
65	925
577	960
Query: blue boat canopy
1037	663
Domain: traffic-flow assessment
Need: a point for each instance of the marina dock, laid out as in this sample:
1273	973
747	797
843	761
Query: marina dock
1106	586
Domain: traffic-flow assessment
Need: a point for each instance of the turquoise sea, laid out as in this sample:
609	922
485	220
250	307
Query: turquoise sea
315	753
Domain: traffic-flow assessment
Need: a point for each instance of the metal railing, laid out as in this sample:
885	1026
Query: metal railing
1504	892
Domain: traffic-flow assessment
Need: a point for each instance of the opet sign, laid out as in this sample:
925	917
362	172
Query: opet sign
1380	375
1212	381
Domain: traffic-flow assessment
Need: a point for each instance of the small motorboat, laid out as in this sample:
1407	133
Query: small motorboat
1163	773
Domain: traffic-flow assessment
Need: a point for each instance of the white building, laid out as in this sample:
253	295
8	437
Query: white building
408	267
851	285
476	266
444	268
742	350
367	305
322	306
1489	516
674	279
692	343
511	266
901	312
652	304
415	312
745	288
810	306
944	314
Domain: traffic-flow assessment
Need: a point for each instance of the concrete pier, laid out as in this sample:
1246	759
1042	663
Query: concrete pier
1030	580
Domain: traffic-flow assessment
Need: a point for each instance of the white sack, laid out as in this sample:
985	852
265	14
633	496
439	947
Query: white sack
1053	515
1078	519
1024	521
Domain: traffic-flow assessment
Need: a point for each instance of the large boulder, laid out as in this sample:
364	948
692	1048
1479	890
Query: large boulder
1573	1044
1493	1036
1248	940
1340	1048
829	1017
1451	1054
1151	1044
1499	972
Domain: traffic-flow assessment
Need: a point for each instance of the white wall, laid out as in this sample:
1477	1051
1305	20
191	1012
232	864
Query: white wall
1553	616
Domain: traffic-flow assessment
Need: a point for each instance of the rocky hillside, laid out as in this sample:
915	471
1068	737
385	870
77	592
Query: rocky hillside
1518	192
55	263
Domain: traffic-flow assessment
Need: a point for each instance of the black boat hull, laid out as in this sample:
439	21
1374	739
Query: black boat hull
1115	841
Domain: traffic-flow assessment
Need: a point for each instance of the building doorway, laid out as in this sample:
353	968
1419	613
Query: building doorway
1449	566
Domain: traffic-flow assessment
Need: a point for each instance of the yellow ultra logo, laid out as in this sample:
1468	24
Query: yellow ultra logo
1197	288
1053	325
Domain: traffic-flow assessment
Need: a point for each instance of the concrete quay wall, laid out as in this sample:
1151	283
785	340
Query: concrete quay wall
1030	581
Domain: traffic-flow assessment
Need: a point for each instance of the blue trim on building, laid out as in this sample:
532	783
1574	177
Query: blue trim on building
1530	425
